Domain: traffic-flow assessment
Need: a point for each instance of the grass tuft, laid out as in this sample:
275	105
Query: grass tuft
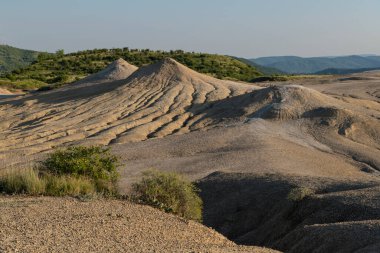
170	192
32	182
22	182
69	186
299	193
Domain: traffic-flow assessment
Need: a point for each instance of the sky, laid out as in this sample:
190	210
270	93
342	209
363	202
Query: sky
245	28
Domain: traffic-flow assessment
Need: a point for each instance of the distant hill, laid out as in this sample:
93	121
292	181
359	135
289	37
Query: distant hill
12	58
264	70
299	65
63	68
344	71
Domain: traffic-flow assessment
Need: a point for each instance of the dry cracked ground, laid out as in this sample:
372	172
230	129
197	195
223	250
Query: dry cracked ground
246	146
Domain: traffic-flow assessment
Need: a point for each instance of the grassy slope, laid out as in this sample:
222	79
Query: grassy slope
61	69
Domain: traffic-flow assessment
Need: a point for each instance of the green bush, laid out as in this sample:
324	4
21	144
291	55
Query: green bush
94	162
299	193
169	192
75	171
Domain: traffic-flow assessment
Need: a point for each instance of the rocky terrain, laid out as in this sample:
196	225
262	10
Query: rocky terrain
68	225
247	146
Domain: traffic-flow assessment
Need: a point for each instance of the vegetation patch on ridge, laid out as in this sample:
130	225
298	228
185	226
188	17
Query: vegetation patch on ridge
80	171
60	68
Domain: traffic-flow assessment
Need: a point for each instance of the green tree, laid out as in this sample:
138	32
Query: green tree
60	53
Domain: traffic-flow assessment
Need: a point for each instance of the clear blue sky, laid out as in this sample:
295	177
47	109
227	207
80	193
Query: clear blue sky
248	28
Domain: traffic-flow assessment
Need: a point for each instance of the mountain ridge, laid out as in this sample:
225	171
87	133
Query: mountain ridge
311	65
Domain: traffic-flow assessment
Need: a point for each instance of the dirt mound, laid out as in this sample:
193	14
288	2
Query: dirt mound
290	102
5	92
294	102
258	146
167	98
117	70
155	101
169	72
69	225
167	67
254	209
285	102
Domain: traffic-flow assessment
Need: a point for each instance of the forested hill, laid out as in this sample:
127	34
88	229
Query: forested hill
60	68
12	58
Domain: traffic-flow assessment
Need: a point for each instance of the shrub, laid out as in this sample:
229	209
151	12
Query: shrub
169	192
75	171
299	193
93	162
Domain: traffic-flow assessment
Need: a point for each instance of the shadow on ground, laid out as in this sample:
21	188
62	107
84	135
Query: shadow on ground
254	209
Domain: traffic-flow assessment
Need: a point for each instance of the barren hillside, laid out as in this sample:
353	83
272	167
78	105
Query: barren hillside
323	132
69	225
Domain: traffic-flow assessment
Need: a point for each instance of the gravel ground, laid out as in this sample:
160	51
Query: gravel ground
44	224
